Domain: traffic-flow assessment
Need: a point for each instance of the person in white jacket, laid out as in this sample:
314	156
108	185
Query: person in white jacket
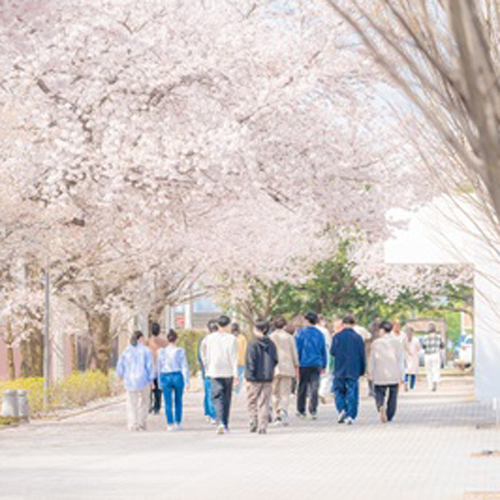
220	359
286	370
387	371
412	355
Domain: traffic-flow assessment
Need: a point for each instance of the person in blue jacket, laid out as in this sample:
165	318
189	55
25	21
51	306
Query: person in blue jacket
136	369
350	363
311	348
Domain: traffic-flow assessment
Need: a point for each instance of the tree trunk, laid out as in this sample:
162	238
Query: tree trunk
10	362
100	331
155	315
35	353
25	359
74	353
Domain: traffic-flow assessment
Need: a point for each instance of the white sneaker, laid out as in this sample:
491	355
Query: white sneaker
221	429
170	428
349	421
341	418
178	427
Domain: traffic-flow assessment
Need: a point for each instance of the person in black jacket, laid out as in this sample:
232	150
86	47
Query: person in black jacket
261	359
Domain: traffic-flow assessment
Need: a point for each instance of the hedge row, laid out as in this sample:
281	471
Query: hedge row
76	390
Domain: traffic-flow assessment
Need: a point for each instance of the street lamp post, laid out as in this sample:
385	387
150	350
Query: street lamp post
46	341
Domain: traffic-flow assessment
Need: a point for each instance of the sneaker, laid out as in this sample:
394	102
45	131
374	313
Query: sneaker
349	421
220	429
170	428
262	431
303	416
314	416
342	416
178	427
284	418
213	421
278	422
253	426
434	387
383	415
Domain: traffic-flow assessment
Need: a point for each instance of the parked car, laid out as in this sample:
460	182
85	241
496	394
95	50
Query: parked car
464	353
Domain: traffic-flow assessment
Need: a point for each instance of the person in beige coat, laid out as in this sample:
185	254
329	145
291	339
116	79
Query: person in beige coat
288	362
387	371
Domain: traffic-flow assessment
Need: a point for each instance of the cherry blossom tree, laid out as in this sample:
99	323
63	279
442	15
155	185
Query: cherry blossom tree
444	57
151	145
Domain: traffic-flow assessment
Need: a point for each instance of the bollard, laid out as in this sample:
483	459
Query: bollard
10	407
22	404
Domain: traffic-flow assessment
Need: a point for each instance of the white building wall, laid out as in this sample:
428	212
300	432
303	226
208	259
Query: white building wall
450	232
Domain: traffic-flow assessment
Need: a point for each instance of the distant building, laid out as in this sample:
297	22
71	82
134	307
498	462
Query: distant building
193	315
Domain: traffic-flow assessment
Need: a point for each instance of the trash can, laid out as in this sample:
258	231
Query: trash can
10	405
22	404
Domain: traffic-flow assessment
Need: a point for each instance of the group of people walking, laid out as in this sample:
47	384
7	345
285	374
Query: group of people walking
279	358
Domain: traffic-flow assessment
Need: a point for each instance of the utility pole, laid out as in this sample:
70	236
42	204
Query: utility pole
46	341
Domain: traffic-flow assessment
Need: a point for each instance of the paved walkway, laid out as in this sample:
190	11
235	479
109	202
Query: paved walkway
426	454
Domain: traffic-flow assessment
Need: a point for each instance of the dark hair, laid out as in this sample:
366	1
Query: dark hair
134	339
349	320
262	325
280	323
224	321
172	335
155	329
312	317
212	325
235	328
386	326
431	328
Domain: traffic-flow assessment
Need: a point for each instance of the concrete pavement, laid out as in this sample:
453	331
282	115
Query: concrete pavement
425	454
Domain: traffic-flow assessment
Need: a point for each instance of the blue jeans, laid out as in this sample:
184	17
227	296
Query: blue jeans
410	380
346	392
208	402
239	384
172	382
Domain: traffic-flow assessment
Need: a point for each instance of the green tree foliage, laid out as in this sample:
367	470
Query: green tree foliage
333	290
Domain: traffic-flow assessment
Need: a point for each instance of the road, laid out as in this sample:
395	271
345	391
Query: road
425	454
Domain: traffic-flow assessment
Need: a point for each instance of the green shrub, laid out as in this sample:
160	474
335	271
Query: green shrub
189	340
4	421
81	388
76	390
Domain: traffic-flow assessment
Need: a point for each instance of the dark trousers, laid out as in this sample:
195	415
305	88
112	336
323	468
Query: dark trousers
392	401
410	379
155	397
346	392
308	384
222	390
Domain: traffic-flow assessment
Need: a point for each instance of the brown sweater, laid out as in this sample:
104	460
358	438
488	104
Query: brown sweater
155	343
